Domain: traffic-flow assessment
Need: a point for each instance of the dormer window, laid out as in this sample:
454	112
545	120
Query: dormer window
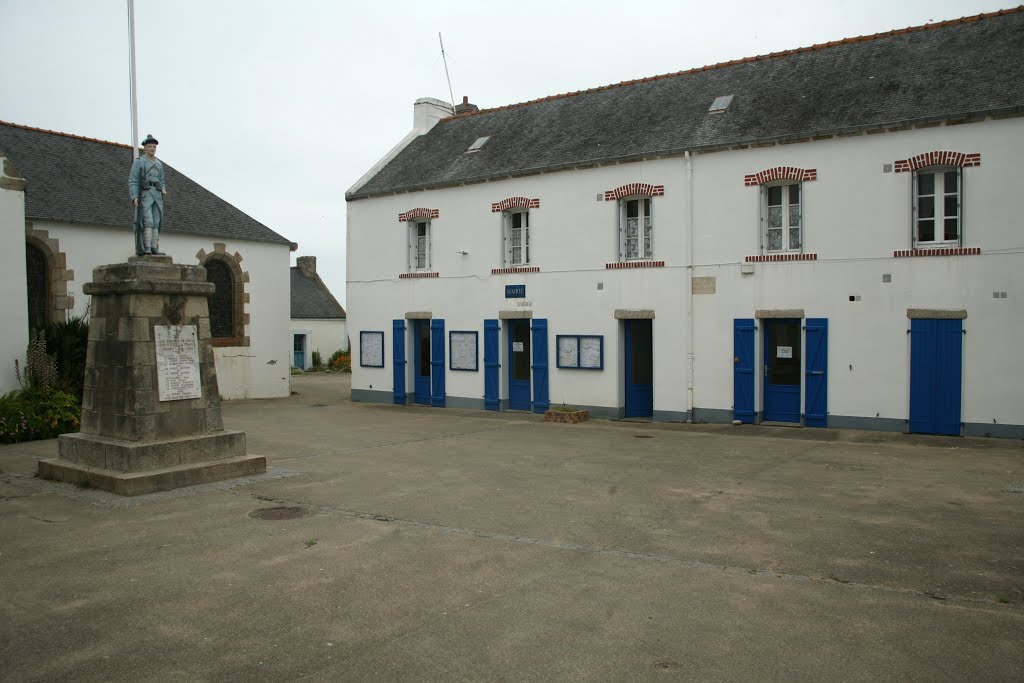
480	142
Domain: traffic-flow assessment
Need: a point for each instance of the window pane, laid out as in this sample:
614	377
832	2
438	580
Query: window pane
647	209
950	208
632	208
647	246
774	240
517	221
794	194
421	252
222	303
926	231
925	183
775	196
926	207
951	229
794	215
950	181
794	238
421	229
774	216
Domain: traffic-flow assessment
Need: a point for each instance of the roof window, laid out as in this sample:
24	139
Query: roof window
720	104
480	142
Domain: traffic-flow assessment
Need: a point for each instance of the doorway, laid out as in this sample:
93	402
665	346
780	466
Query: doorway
639	368
421	361
783	366
519	364
299	351
936	365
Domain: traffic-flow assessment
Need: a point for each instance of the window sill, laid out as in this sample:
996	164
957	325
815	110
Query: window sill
515	269
775	258
409	276
937	251
634	264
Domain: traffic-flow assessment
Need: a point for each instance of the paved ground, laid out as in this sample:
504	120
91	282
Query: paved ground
447	544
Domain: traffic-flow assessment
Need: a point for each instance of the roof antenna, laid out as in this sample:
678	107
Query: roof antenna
450	94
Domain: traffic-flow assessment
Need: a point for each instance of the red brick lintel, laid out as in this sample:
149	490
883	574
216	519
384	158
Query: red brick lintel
415	214
780	173
409	276
772	258
635	264
937	158
517	269
949	251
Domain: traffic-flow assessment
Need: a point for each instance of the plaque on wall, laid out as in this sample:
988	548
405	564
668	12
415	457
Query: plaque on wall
177	362
463	352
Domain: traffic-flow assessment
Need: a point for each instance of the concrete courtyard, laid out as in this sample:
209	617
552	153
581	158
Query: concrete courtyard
458	545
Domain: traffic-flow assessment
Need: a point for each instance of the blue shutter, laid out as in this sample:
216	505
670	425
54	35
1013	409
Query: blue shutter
922	377
491	356
743	370
816	373
437	363
947	399
541	402
398	360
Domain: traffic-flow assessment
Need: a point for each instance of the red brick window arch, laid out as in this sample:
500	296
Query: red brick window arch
937	208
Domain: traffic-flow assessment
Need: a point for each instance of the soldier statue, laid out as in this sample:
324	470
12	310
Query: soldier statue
147	189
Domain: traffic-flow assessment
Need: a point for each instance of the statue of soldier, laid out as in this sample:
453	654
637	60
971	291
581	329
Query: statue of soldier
147	189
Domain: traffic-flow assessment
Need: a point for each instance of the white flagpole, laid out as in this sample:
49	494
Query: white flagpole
134	90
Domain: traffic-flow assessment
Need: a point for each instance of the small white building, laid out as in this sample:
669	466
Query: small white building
318	320
64	209
820	237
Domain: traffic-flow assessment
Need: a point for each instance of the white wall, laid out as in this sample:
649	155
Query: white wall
260	370
855	217
323	335
14	330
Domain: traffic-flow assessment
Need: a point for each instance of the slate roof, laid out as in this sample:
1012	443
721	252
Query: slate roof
73	179
312	299
957	69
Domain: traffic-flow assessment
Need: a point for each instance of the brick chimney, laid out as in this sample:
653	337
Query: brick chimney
307	264
465	107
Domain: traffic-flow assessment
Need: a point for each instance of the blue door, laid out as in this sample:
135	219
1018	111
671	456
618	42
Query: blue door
518	364
437	363
743	370
398	361
299	349
491	364
816	372
782	369
639	361
421	361
540	366
936	362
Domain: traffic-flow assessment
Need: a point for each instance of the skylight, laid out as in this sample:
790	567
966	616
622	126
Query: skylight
480	142
720	104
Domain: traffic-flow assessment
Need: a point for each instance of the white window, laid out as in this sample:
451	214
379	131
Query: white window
782	217
516	237
636	228
937	206
419	245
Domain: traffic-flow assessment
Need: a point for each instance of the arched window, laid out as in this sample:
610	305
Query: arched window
38	281
222	303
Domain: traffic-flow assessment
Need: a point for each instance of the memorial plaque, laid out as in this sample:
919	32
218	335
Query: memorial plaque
177	362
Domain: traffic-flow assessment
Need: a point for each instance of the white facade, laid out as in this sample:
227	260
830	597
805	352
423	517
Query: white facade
14	331
856	214
322	335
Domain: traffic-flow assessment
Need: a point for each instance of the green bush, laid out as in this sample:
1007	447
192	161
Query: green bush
31	414
67	343
340	361
318	361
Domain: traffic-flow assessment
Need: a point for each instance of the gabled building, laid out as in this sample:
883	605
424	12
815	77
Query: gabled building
64	209
822	237
318	320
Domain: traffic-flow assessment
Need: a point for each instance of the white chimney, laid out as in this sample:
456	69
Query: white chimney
427	111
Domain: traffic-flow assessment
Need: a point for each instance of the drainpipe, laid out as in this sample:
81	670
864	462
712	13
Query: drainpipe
689	278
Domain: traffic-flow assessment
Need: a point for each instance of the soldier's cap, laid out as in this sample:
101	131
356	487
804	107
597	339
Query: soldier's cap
150	139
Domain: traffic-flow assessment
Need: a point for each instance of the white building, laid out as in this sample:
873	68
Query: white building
318	320
64	210
821	237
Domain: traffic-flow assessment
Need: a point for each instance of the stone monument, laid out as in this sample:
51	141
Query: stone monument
151	410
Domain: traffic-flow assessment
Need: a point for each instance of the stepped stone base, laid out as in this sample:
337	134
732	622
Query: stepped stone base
121	455
152	480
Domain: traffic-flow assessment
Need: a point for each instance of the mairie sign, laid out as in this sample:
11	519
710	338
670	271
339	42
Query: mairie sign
515	291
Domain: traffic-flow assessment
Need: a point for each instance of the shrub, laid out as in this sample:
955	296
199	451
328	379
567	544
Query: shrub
31	414
40	370
341	361
67	343
318	361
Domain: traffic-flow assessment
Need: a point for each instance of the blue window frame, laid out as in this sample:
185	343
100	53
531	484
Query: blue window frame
462	350
371	349
580	351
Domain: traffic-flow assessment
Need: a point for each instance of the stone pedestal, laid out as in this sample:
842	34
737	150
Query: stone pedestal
150	411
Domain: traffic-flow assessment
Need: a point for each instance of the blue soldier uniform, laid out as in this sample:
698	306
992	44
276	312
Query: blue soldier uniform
146	183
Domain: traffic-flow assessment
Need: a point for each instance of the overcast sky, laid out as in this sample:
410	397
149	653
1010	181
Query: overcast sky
280	106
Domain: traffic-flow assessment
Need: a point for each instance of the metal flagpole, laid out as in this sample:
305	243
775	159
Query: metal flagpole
134	90
445	59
